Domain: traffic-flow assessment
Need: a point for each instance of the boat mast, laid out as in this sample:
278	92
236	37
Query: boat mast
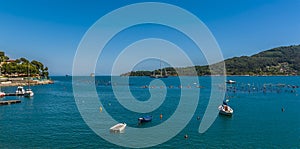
28	75
1	76
160	67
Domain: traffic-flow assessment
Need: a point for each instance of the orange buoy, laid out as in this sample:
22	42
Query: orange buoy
160	116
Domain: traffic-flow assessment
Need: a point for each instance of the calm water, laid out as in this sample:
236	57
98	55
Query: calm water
51	119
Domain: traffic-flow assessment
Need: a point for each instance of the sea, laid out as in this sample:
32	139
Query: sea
265	113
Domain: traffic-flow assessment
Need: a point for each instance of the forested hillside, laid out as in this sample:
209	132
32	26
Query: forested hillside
276	61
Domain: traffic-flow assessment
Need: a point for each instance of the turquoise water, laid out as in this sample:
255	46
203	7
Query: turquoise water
51	118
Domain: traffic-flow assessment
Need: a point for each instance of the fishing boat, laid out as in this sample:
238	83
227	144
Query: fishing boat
118	127
144	119
225	110
230	82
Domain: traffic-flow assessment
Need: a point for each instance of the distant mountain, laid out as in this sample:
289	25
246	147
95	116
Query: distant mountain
277	61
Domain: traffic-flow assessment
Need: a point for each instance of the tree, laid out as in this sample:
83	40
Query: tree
4	58
38	65
24	60
18	61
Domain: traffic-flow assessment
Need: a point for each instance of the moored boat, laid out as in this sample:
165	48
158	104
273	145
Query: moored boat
20	90
161	75
144	119
28	93
225	110
120	127
230	82
2	94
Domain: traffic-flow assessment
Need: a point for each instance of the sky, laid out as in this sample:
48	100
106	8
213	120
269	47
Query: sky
51	31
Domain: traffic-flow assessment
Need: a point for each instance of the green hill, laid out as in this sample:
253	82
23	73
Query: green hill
21	67
276	61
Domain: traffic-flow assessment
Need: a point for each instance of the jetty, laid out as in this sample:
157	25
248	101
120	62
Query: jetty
13	94
8	102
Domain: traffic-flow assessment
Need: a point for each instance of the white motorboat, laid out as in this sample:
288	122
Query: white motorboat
20	90
118	127
28	93
230	82
2	94
225	110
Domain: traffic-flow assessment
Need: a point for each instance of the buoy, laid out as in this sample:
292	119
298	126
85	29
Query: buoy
198	118
186	136
100	109
160	116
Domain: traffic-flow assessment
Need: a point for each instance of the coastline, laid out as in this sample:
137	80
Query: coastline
25	83
224	75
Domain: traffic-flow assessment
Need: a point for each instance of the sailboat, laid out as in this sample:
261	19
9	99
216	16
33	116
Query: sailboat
2	94
224	109
161	75
28	92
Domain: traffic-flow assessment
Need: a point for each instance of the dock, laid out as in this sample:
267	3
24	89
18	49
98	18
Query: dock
13	94
8	102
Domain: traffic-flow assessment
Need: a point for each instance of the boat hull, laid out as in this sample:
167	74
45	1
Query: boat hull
145	119
28	93
230	82
225	111
118	128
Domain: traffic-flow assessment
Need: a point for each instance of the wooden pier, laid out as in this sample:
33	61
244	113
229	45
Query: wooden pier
13	94
8	102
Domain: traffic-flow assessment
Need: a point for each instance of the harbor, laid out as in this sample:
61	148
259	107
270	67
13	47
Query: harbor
52	113
13	94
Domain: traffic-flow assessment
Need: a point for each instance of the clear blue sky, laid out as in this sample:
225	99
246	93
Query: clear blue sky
50	31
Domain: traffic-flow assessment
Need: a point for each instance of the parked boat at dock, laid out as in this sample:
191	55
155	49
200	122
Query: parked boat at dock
28	93
20	90
2	94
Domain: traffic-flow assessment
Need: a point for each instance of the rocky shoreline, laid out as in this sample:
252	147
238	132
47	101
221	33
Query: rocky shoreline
25	83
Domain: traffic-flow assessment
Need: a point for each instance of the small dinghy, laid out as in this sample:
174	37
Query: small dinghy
118	127
145	119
